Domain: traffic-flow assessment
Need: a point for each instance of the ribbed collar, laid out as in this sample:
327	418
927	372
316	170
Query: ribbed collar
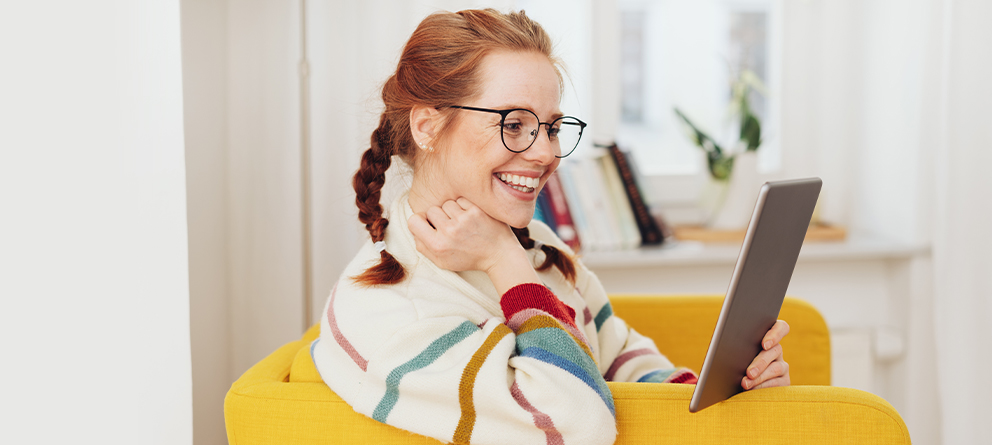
400	243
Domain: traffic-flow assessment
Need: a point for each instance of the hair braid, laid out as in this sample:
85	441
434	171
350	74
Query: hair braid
552	255
368	182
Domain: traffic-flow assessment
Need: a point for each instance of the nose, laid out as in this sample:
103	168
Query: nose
543	150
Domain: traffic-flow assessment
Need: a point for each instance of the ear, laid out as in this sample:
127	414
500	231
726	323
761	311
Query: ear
423	123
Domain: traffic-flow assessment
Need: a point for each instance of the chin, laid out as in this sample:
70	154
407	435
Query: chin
516	214
521	221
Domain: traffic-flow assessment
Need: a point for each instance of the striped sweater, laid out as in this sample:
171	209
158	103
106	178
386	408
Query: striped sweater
442	355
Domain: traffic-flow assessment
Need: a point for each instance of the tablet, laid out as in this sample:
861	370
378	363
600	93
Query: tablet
764	268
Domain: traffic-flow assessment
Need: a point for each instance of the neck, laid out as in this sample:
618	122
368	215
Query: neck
423	197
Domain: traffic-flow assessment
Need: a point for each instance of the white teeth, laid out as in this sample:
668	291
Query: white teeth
522	183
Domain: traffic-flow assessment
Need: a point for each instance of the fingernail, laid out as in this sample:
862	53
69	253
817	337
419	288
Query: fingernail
753	372
768	345
747	384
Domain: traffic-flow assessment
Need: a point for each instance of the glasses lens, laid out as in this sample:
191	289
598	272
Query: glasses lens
520	128
565	133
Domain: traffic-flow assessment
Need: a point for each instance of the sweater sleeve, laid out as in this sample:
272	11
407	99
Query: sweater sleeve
528	379
625	354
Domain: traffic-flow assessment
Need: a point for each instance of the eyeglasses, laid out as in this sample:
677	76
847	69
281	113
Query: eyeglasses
519	128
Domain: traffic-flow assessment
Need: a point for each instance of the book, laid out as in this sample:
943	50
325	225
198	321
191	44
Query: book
562	212
647	226
577	206
542	212
622	211
591	188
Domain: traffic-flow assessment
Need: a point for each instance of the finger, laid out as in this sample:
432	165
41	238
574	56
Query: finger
420	228
775	335
762	360
436	216
780	381
777	369
464	203
452	209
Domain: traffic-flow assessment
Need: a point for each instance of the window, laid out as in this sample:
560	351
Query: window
685	54
638	59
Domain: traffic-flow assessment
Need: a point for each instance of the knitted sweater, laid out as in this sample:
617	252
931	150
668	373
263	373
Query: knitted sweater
442	355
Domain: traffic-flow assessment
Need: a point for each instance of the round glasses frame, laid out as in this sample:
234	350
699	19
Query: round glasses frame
504	113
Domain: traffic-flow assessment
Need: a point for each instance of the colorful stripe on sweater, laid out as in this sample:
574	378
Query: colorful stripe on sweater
339	337
541	420
466	388
680	375
604	313
426	357
547	333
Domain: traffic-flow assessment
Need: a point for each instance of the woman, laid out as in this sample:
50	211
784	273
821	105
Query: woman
462	319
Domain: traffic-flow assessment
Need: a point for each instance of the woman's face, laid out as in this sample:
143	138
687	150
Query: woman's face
473	162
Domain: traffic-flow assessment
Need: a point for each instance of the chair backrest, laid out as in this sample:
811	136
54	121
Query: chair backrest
682	326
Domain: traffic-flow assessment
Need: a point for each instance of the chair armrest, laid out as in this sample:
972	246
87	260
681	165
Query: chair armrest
659	413
264	407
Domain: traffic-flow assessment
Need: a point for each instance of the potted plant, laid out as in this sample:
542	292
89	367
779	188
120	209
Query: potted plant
732	189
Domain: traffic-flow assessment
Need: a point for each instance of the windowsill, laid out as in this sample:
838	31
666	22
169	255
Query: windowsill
694	253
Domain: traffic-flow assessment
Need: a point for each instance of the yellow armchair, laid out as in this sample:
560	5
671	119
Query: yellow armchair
282	399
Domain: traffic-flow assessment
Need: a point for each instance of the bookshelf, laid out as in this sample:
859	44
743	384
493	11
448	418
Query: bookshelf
816	232
689	252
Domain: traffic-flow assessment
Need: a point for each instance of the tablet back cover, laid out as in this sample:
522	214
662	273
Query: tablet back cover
757	288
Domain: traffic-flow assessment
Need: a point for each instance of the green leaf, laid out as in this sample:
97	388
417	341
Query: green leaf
720	166
751	131
699	137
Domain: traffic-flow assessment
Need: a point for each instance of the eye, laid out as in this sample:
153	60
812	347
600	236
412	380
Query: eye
554	130
512	127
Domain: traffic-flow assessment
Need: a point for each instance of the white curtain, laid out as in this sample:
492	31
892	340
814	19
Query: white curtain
962	242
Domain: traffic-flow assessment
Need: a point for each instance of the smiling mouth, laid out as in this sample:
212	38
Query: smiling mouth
519	183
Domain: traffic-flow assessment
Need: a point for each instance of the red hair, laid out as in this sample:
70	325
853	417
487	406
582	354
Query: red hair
439	67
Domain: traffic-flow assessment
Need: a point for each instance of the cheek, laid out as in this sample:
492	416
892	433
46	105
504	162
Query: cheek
471	171
551	170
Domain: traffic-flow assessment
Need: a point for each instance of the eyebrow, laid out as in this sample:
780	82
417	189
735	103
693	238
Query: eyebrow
554	116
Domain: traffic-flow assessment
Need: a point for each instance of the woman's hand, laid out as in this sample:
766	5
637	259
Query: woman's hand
769	368
459	236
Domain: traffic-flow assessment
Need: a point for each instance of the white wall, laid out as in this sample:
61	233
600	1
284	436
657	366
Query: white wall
93	265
